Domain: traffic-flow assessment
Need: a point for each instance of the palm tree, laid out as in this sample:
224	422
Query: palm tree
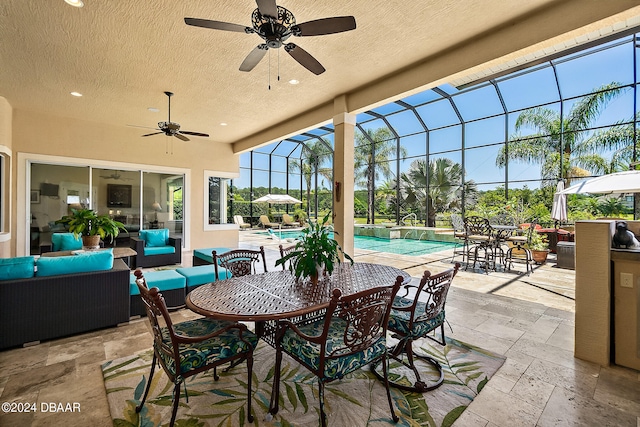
566	135
315	155
372	153
445	186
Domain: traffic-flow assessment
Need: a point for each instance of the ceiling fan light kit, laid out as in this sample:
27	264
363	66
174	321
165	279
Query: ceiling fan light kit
170	128
275	24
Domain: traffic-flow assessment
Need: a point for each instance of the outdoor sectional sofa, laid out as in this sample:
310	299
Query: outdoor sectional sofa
47	304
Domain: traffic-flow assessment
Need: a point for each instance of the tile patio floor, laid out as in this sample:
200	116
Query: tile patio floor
529	319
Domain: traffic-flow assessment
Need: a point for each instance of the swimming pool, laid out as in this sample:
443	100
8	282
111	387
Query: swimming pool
394	246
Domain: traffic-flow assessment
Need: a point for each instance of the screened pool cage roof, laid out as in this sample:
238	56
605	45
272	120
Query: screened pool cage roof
447	106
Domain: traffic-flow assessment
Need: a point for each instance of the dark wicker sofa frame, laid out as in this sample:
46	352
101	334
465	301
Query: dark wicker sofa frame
43	308
137	244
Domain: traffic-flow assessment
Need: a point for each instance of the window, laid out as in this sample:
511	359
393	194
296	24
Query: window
216	188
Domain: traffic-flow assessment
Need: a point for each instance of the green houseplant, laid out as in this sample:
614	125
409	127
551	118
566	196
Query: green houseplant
316	251
539	247
91	226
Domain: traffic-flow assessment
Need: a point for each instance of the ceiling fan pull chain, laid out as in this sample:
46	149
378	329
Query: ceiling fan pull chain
278	64
269	70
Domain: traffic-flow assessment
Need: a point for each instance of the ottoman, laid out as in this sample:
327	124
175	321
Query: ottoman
202	274
171	284
204	257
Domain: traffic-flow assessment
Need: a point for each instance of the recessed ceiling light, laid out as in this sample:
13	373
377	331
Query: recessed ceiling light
76	94
74	3
294	82
223	124
153	109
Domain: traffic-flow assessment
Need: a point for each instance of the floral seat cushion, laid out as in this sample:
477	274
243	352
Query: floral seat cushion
399	320
220	347
335	367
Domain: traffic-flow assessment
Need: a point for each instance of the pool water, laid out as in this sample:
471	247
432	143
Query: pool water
394	246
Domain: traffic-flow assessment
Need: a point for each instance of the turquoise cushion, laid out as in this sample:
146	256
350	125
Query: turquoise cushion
81	263
16	268
153	238
205	253
164	280
202	274
221	347
399	320
159	250
335	367
65	242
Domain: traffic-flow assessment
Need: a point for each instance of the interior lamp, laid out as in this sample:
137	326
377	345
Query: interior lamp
157	208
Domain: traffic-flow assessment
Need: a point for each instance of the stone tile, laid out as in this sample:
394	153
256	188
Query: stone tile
504	409
563	337
542	329
488	342
85	351
579	383
37	378
20	419
554	355
495	326
501	383
532	390
127	346
23	359
566	408
512	369
617	389
470	419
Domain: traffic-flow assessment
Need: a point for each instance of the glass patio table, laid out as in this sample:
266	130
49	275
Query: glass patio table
265	298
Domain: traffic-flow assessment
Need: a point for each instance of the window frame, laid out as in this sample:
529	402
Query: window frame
208	174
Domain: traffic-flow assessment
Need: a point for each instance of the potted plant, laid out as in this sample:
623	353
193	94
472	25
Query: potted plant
539	247
91	226
316	252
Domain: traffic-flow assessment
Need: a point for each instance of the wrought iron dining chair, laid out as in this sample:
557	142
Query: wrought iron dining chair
460	234
413	318
479	241
350	335
520	244
285	251
188	348
239	262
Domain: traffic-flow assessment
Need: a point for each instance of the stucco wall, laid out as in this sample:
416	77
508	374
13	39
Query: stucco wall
39	133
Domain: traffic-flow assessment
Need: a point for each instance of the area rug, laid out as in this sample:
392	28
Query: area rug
356	400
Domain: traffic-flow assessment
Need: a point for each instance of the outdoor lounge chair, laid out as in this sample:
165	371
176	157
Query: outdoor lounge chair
288	221
264	220
240	222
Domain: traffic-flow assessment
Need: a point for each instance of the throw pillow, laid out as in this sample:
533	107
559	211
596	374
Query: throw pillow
16	268
155	238
65	242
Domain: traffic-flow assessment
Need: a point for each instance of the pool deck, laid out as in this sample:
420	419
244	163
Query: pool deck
549	285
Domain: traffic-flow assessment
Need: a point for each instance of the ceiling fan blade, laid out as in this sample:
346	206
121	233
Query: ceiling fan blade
304	58
268	8
144	127
319	27
254	57
180	136
154	133
206	135
217	25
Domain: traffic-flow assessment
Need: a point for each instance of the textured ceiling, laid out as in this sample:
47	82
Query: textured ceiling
122	55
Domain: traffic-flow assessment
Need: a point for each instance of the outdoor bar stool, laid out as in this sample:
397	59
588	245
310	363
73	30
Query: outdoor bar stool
479	241
460	234
521	243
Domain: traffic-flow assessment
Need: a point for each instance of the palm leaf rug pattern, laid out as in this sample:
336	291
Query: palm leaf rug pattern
357	400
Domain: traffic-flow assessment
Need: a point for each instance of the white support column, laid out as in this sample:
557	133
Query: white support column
343	161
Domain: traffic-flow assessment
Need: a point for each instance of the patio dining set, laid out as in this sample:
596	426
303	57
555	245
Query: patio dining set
492	244
331	328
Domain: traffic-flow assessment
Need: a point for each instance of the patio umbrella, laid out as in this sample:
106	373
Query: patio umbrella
620	182
280	199
559	207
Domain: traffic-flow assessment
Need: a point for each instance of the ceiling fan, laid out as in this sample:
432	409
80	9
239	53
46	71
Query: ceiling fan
116	176
170	128
275	24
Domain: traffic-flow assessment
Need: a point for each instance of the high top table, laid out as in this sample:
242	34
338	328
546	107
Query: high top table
267	297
